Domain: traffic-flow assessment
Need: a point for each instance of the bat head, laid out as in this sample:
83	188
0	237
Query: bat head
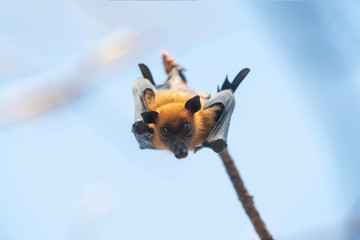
174	126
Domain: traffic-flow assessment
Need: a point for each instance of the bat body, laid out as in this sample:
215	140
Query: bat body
179	121
173	117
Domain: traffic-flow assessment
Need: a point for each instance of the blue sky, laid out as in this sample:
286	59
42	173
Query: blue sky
71	168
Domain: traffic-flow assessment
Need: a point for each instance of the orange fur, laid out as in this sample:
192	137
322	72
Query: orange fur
170	105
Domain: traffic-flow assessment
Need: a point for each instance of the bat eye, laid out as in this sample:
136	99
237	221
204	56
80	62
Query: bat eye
164	131
187	127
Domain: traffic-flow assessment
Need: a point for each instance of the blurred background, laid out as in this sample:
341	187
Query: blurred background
70	168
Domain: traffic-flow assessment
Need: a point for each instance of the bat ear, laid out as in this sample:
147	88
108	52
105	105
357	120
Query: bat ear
150	116
193	104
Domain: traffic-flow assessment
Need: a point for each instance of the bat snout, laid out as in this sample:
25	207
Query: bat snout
179	146
181	153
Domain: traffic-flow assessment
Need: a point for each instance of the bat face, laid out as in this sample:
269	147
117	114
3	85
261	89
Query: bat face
176	137
174	126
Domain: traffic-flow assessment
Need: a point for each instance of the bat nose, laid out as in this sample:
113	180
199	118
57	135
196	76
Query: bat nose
181	153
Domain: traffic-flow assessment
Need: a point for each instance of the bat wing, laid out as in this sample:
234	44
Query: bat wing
217	139
141	130
146	72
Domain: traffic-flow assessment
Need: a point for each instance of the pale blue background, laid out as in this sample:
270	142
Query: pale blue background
75	170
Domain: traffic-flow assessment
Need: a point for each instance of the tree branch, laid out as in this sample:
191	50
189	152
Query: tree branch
245	198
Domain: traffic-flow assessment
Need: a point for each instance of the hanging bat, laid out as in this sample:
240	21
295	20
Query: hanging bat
173	117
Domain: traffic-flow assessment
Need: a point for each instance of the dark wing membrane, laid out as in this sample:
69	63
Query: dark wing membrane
146	72
236	82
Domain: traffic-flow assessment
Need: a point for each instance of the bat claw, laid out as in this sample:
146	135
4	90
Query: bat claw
141	128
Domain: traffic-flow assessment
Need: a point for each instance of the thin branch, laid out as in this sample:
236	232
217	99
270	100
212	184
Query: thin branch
245	198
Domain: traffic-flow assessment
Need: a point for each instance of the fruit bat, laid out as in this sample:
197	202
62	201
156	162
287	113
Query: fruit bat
178	134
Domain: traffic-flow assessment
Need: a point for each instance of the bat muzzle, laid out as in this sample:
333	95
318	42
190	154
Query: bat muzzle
181	153
180	148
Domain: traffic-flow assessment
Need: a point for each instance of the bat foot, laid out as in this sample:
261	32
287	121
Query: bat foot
168	61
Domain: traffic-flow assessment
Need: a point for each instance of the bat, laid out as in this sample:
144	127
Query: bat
171	116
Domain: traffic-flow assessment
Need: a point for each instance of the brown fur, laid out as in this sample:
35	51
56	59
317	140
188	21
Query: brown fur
170	105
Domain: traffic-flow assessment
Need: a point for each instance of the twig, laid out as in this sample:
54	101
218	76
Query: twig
245	198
